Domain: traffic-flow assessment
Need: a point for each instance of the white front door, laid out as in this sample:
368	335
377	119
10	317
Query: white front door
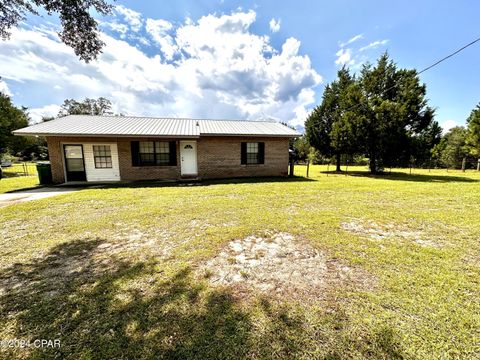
188	157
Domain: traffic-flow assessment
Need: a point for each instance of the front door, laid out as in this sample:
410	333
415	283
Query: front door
74	164
188	157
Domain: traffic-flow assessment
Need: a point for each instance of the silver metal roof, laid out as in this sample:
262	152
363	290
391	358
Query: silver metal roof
87	125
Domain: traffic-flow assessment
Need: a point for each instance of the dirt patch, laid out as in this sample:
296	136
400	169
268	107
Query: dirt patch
375	231
279	265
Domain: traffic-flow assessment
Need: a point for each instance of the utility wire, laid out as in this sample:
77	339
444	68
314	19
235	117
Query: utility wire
449	56
431	66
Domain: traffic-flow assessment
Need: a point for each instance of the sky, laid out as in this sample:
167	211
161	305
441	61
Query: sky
243	59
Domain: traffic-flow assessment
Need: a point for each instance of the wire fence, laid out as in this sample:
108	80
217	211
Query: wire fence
20	169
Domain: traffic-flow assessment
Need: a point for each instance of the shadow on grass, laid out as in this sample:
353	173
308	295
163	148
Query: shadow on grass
107	307
157	183
405	177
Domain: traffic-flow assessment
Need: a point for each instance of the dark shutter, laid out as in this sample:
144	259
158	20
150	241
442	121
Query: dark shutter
173	153
135	145
261	153
244	153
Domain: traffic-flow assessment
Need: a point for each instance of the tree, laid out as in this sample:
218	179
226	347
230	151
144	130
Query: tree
422	144
451	150
79	28
100	106
302	148
329	126
473	134
392	110
11	118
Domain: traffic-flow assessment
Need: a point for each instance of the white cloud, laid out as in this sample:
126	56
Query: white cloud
158	30
4	88
449	124
37	114
132	17
275	25
344	57
221	70
374	45
352	40
116	26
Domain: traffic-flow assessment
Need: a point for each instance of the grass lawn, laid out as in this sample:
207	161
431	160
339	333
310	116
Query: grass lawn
14	179
126	272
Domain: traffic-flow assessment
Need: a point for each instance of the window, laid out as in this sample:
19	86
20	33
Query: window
162	153
147	153
252	153
102	156
151	153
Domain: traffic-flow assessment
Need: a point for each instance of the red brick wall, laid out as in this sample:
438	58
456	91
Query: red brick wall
218	157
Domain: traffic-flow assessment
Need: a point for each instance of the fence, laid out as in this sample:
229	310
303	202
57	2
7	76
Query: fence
20	169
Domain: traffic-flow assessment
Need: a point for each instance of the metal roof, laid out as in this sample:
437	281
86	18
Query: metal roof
88	125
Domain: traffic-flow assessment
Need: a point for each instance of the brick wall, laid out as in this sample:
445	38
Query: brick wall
218	157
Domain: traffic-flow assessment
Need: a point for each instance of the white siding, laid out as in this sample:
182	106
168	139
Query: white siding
93	174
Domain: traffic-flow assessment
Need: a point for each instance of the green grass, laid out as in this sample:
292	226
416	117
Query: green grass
112	272
14	177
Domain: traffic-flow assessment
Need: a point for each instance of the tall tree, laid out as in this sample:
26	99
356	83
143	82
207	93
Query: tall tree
473	134
79	27
423	143
328	128
393	110
100	106
11	118
451	150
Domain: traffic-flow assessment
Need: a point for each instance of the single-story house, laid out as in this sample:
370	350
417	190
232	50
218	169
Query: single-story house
113	148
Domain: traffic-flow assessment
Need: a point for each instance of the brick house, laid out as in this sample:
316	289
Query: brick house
114	148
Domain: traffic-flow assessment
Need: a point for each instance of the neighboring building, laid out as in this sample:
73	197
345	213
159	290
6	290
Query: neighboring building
113	148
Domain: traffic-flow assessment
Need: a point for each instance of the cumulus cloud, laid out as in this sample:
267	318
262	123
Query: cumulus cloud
274	25
449	124
213	67
132	17
37	114
344	57
158	30
4	88
374	45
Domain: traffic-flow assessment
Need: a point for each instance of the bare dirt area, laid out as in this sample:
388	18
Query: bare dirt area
279	264
375	231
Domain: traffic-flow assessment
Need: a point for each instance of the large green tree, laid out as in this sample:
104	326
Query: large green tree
392	111
473	134
100	106
423	143
79	27
452	150
328	128
11	118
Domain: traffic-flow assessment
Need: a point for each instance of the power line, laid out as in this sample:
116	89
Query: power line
449	56
431	66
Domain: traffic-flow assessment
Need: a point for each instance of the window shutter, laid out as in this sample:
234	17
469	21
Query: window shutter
244	153
173	153
135	145
261	153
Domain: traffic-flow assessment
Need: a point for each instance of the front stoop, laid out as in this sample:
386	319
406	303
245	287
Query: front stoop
189	178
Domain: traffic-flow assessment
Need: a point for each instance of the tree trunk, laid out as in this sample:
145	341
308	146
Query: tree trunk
464	161
373	164
478	165
339	162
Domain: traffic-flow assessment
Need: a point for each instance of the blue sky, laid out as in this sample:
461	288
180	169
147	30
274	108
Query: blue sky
248	59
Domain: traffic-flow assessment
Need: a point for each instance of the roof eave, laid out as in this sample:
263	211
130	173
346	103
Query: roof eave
252	135
105	135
